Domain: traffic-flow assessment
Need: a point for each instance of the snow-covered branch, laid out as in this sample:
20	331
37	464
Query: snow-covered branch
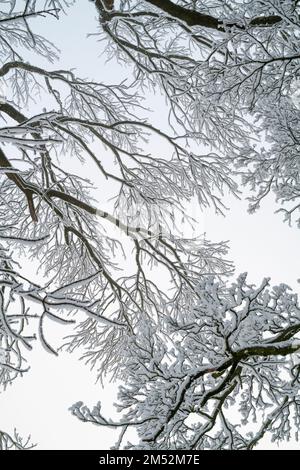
235	355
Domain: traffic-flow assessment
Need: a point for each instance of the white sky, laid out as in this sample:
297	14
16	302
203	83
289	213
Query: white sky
260	244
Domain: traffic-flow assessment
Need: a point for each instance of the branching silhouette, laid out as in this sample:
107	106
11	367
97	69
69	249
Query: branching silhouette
192	350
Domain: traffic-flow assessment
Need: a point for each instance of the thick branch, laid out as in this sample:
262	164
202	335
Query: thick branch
12	112
282	348
195	18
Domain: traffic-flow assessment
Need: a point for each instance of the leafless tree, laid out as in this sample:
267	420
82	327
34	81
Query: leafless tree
223	65
219	377
47	212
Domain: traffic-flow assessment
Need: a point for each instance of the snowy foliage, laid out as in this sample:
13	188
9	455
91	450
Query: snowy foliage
190	344
222	66
220	377
48	214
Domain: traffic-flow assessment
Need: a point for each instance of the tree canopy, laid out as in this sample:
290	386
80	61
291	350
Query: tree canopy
200	355
229	71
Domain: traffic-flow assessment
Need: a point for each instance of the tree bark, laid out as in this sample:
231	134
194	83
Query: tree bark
195	18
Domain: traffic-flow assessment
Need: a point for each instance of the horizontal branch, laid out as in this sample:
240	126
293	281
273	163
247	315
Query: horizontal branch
12	112
282	348
195	18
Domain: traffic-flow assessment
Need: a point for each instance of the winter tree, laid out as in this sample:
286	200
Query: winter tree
15	442
230	71
188	344
47	213
219	377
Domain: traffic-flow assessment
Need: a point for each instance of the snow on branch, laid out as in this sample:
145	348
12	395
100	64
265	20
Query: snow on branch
201	382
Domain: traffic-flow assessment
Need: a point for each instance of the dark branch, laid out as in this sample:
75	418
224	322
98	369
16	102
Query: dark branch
195	18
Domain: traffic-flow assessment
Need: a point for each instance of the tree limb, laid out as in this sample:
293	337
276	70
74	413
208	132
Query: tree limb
195	18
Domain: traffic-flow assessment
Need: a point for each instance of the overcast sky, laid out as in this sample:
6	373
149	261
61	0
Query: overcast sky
260	244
